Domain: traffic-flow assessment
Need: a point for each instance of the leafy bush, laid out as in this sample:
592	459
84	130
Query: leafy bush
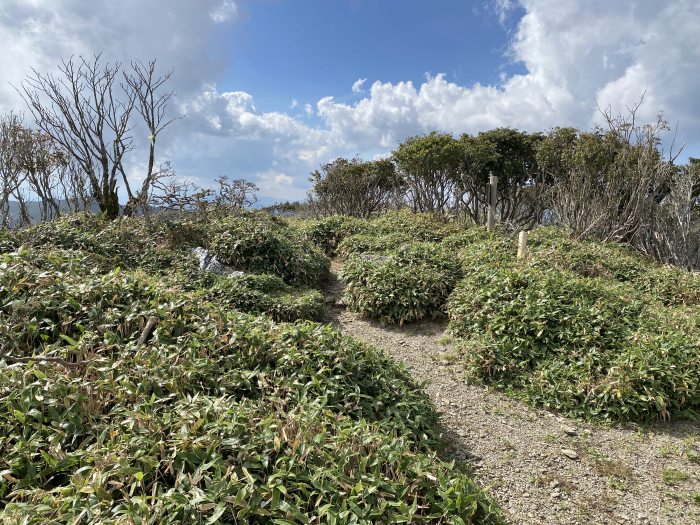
420	226
478	248
531	315
128	242
265	294
656	375
253	244
591	347
327	233
407	284
213	417
553	248
650	375
364	243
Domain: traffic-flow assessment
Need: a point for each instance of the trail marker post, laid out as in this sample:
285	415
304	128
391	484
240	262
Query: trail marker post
522	244
493	194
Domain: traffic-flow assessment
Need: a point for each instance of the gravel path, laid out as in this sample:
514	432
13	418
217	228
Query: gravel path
544	468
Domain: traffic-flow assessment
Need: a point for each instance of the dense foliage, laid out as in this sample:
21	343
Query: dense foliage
258	244
406	284
138	395
592	329
328	232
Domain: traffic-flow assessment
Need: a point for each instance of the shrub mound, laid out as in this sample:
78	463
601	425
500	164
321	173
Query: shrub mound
368	243
423	227
553	248
208	416
588	346
328	232
407	284
264	294
255	244
127	243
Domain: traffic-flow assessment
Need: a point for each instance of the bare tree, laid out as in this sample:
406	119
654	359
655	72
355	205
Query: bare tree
74	185
40	160
174	195
88	112
152	105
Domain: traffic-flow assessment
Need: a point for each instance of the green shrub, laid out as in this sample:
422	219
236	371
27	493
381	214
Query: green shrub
652	375
327	233
43	307
265	294
424	227
217	417
586	346
257	245
367	243
553	248
128	243
478	249
407	284
671	286
530	315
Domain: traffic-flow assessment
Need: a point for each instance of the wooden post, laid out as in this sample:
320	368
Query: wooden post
493	194
522	244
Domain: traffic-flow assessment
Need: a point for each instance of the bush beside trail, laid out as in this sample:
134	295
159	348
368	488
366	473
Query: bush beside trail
406	284
590	329
212	416
259	245
577	326
264	294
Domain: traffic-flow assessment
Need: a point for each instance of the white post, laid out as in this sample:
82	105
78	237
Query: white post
522	244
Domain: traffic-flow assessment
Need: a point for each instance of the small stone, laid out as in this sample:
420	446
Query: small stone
571	454
570	431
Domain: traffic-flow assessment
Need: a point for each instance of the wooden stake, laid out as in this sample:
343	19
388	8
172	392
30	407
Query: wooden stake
522	244
493	195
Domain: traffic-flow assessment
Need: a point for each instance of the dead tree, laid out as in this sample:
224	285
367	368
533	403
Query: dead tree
152	105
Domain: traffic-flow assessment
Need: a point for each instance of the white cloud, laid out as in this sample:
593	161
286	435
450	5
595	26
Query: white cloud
573	54
278	185
226	11
357	85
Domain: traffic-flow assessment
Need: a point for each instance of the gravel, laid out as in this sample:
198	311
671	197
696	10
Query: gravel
542	467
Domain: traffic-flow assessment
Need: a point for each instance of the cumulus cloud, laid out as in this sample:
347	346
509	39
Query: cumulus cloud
357	85
573	54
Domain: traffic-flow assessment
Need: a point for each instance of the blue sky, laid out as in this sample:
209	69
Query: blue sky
316	47
448	65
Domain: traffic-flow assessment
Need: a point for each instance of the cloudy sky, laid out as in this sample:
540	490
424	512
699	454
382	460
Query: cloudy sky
270	89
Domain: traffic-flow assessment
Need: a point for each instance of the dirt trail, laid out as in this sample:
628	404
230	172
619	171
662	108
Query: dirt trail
543	468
